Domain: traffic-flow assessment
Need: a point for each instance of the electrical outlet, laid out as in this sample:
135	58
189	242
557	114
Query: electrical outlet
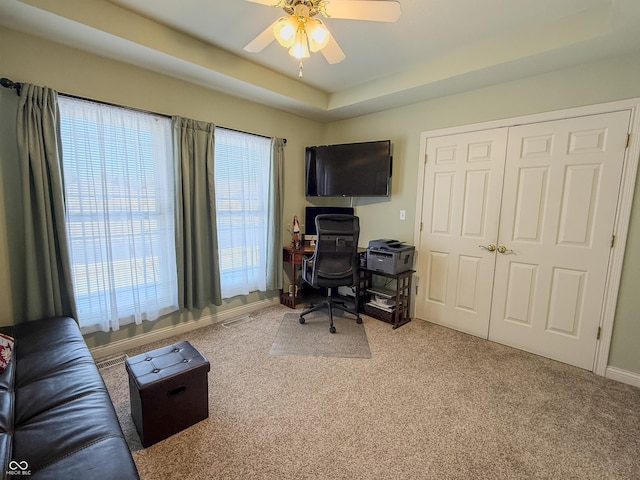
403	214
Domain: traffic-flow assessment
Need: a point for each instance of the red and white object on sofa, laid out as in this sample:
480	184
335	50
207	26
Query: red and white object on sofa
6	347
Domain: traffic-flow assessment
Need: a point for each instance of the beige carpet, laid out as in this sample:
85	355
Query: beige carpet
430	403
314	339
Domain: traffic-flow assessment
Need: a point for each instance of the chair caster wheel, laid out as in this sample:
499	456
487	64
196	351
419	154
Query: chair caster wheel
301	320
332	329
358	320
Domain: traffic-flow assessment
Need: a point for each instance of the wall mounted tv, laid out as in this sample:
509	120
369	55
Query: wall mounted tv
349	170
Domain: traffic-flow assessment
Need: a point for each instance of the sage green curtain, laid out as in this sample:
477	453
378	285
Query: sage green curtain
49	290
196	232
274	214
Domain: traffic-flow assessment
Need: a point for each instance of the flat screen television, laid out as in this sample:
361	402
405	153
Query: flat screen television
349	170
311	213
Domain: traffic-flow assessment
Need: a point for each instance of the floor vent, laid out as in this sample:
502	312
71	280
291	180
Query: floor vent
236	321
111	362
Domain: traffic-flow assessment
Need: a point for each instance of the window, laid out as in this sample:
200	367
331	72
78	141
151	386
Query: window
119	191
241	176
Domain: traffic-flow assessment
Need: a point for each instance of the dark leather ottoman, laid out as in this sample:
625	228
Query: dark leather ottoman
168	390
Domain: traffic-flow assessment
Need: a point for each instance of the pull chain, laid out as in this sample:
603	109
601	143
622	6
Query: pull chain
300	70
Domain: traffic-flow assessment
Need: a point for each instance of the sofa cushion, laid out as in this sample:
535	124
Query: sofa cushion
46	346
63	386
103	460
71	427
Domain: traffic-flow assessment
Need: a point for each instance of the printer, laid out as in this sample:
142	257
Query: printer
389	256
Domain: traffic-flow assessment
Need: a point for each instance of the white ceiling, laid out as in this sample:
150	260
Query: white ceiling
437	47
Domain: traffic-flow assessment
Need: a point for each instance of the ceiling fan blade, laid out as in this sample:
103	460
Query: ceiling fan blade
271	3
377	11
332	51
262	40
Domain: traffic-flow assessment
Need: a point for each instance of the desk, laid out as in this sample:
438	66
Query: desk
293	257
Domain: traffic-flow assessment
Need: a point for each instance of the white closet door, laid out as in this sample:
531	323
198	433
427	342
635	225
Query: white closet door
460	211
559	201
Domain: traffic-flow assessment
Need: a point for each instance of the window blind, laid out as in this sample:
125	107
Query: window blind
241	176
119	191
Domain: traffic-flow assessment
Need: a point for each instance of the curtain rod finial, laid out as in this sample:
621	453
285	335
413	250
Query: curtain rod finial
5	82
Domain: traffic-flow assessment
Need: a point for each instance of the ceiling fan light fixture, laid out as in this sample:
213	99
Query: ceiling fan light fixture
300	32
317	33
285	30
300	47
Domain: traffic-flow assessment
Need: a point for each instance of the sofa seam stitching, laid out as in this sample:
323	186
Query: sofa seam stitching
73	452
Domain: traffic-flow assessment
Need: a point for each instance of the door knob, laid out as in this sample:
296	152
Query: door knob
491	247
503	249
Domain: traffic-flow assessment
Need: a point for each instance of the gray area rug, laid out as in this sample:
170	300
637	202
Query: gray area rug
314	339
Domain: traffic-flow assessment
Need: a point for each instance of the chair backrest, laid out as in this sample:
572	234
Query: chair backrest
336	253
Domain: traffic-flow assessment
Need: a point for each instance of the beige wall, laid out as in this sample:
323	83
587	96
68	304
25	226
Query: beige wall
25	58
625	351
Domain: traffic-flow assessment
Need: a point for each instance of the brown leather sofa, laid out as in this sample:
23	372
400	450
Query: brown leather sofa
56	417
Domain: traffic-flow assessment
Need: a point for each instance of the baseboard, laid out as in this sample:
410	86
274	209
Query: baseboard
623	376
120	346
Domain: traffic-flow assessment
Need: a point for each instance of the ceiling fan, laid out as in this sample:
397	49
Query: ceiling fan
300	30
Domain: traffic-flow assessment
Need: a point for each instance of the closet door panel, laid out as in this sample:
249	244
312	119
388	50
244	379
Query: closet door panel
559	201
460	211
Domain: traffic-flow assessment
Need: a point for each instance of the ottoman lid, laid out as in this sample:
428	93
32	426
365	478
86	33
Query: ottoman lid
163	363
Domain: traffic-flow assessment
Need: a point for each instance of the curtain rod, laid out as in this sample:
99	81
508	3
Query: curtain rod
284	140
5	82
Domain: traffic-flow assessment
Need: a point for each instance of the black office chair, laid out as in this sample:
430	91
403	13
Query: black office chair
334	262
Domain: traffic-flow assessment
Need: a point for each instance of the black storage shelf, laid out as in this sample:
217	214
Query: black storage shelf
400	313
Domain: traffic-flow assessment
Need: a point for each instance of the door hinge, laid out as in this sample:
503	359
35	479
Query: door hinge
599	333
425	158
613	240
421	224
628	140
